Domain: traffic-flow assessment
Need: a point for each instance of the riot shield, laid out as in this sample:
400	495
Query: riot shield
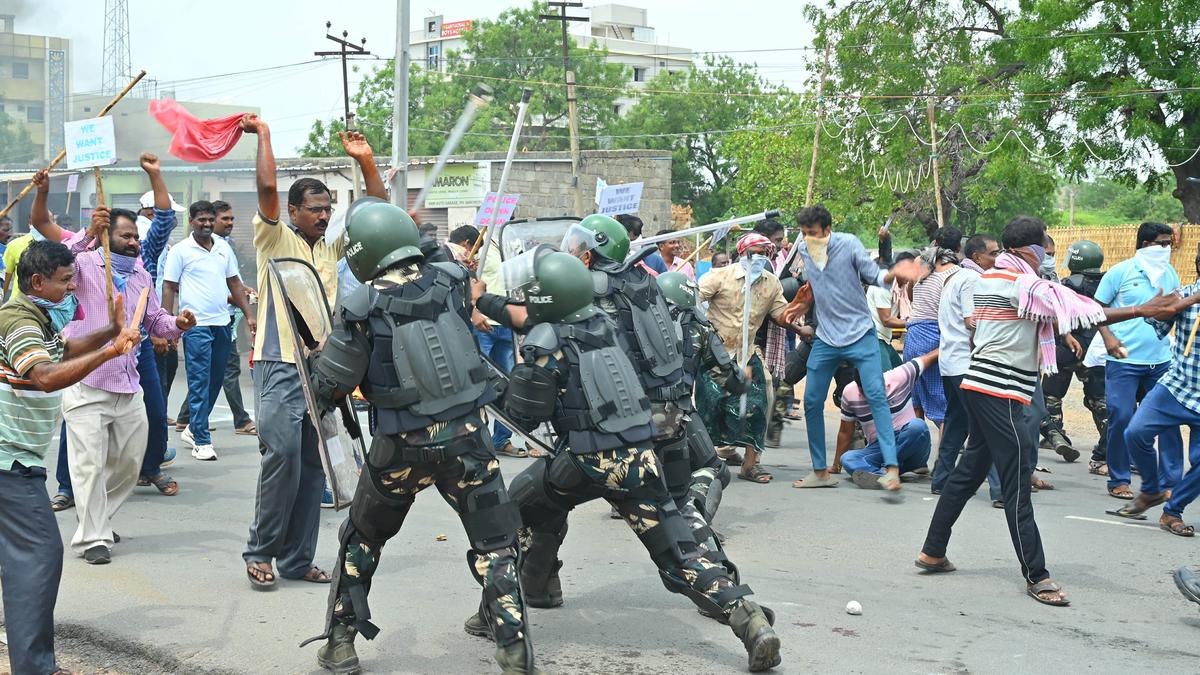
339	436
517	237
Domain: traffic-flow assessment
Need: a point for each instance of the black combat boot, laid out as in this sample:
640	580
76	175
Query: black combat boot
1062	445
513	660
337	654
754	628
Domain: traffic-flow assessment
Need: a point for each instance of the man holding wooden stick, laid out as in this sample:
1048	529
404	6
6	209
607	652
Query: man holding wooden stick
36	363
105	414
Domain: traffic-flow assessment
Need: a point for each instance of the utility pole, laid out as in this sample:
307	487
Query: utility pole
346	50
569	76
812	167
400	109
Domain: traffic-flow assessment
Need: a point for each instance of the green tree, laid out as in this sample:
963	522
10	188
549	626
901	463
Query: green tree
688	113
1104	201
514	52
1111	85
16	146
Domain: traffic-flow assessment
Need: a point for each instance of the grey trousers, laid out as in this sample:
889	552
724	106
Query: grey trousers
287	504
31	560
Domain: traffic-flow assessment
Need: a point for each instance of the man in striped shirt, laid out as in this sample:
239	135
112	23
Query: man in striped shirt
866	466
1013	308
36	364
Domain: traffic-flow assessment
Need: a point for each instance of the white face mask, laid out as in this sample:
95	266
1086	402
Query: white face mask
1049	264
1155	260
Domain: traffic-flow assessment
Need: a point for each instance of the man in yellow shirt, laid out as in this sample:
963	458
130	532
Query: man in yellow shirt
290	481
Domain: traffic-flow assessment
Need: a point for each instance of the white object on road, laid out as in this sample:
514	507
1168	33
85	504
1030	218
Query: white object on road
853	608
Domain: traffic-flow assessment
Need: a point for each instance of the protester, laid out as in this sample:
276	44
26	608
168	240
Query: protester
37	362
669	251
202	271
1146	356
461	242
1016	315
955	327
836	266
288	498
653	263
232	381
929	398
496	342
741	420
105	413
719	259
1172	402
879	302
866	466
774	340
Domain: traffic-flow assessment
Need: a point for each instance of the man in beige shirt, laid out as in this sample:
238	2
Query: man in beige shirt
724	291
290	480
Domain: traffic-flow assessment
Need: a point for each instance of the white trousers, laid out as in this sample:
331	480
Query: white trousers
106	438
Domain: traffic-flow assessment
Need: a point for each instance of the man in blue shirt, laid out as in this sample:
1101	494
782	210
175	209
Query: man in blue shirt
835	267
1145	358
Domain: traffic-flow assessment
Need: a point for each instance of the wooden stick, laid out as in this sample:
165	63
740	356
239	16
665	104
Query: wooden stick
1192	338
140	312
108	287
63	153
694	254
483	232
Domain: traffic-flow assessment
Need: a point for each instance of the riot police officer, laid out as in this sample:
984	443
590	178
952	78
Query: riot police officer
1084	260
702	351
576	375
404	337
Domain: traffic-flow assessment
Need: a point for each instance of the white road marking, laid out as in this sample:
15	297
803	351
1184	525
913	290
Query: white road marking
1109	522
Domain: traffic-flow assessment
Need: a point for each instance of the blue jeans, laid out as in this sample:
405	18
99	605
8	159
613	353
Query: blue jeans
954	435
1159	412
1122	382
156	410
206	350
498	346
912	451
823	360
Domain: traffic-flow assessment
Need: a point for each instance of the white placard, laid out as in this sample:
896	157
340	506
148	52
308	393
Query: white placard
73	182
618	199
600	185
90	142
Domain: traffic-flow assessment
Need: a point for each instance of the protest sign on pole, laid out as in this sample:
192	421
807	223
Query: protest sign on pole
492	214
618	199
600	185
90	143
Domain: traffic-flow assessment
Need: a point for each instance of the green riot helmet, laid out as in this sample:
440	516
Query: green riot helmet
601	234
555	285
1084	256
377	237
677	289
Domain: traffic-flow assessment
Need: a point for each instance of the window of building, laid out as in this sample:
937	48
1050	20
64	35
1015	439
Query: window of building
34	113
432	58
617	109
639	74
20	70
662	64
431	27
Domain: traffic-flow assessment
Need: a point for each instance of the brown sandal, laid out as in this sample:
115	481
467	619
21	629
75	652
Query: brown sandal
261	578
1121	492
1176	526
247	429
1039	484
316	575
1039	590
1098	468
755	474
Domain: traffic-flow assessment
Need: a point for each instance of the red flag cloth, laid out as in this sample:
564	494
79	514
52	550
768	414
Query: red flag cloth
196	140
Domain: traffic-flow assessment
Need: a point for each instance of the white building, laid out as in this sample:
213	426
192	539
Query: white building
621	29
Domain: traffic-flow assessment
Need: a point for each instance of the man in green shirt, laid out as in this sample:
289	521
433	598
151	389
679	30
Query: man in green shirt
36	364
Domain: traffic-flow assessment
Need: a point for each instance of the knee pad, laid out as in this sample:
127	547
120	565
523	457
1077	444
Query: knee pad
671	543
535	499
706	491
676	463
376	514
489	517
700	446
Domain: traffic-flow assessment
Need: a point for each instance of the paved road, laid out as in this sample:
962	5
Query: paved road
175	597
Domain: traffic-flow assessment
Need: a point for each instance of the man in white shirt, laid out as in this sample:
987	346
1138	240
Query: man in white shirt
955	325
202	271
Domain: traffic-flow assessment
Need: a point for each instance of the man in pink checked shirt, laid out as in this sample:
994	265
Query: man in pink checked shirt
106	420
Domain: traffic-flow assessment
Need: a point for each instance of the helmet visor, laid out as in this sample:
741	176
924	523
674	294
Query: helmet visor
578	240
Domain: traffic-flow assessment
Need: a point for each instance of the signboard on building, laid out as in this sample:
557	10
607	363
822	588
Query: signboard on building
56	99
455	28
617	199
91	142
460	185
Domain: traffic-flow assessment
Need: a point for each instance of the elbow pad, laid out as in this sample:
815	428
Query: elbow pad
493	307
531	393
339	367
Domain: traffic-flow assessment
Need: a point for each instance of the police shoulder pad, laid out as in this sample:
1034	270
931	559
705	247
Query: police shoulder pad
541	340
357	305
455	270
601	284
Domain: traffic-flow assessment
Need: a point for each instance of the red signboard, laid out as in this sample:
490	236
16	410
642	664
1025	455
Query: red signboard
455	28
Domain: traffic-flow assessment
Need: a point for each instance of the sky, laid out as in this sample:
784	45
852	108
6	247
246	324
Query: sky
177	42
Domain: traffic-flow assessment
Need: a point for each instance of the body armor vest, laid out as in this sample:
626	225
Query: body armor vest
425	365
602	405
645	325
1084	283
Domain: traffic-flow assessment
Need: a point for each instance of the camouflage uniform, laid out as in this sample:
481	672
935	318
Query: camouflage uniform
1056	387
